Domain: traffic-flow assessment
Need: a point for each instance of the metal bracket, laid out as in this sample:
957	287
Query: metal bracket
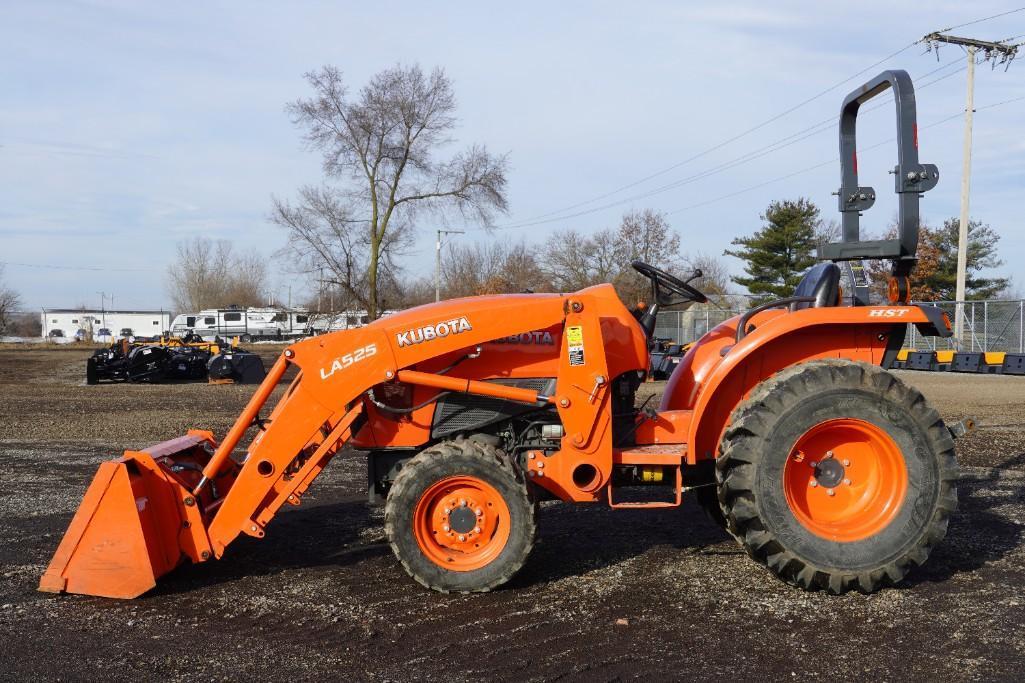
921	178
860	200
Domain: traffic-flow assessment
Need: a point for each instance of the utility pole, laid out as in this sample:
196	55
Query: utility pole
1000	53
966	186
437	261
103	311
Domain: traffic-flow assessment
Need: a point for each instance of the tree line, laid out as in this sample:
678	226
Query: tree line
777	255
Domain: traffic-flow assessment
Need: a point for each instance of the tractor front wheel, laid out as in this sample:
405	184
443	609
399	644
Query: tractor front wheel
459	517
837	475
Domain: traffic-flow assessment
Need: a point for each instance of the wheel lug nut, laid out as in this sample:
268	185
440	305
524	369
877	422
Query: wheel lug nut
847	482
461	537
479	512
831	492
846	463
829	454
476	529
446	510
813	483
446	527
462	503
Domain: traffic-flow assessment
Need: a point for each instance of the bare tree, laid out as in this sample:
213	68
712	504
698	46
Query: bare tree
715	276
413	292
379	149
491	268
211	274
573	261
828	231
647	236
9	301
325	240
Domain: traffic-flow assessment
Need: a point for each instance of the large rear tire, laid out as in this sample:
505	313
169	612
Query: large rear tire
836	475
459	517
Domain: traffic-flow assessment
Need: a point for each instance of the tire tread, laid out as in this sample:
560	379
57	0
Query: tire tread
751	422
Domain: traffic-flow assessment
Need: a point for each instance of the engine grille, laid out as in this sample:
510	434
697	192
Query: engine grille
464	412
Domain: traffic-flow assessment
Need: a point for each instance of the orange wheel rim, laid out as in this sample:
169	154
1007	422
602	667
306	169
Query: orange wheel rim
461	523
845	479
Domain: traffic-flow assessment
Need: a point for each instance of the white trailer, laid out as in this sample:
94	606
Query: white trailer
342	320
248	324
101	325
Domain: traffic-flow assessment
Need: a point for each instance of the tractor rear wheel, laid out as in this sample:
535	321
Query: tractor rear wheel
459	517
836	475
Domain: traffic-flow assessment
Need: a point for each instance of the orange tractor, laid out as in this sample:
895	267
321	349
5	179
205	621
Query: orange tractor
783	422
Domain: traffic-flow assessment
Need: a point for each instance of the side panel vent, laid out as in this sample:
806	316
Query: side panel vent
464	412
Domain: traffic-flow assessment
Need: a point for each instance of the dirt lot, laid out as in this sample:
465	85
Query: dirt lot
322	596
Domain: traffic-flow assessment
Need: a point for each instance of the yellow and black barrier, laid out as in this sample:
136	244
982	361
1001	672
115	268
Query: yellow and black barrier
984	363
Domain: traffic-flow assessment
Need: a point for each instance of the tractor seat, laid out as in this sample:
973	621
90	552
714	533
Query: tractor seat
822	282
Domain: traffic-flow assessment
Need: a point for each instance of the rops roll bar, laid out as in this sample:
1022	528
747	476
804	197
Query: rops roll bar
911	179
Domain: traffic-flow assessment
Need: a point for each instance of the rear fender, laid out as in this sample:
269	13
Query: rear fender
719	374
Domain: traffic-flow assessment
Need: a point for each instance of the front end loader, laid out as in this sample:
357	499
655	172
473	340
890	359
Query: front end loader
783	422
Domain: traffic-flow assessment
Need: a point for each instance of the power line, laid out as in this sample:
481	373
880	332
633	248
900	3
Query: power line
535	220
990	106
719	145
89	268
75	149
820	127
833	160
979	21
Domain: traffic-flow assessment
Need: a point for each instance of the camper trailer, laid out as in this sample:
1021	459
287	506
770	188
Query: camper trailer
248	324
319	323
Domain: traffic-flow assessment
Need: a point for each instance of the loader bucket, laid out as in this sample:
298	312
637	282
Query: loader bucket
137	521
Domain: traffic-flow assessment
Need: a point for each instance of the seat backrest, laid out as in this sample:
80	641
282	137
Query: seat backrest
822	281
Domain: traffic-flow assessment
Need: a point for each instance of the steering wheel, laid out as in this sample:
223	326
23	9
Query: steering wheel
663	280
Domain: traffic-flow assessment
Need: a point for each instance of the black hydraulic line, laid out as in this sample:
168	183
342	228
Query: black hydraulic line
441	394
404	411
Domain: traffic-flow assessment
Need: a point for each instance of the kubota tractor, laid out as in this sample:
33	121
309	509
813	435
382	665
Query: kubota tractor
783	422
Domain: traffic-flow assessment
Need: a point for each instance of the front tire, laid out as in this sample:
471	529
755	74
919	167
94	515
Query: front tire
836	475
459	517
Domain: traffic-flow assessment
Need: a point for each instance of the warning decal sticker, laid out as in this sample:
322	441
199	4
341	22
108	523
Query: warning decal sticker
575	344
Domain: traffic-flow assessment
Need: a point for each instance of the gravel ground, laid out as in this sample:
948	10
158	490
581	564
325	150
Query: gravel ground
607	595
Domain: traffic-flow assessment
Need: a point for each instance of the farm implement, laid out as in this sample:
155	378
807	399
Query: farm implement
173	358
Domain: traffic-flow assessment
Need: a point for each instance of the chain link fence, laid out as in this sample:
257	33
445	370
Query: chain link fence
988	326
686	326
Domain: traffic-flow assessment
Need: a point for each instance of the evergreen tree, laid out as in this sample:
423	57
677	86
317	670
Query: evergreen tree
982	254
777	256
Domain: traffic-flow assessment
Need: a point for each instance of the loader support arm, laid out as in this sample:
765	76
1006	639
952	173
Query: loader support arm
244	422
470	386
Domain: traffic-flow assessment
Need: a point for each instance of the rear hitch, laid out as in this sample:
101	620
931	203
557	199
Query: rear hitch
961	427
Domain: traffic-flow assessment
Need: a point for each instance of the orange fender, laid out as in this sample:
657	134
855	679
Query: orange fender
718	373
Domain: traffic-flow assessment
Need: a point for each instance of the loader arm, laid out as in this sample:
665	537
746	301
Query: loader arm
208	498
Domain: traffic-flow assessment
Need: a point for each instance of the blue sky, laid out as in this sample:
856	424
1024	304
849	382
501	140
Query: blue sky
126	126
